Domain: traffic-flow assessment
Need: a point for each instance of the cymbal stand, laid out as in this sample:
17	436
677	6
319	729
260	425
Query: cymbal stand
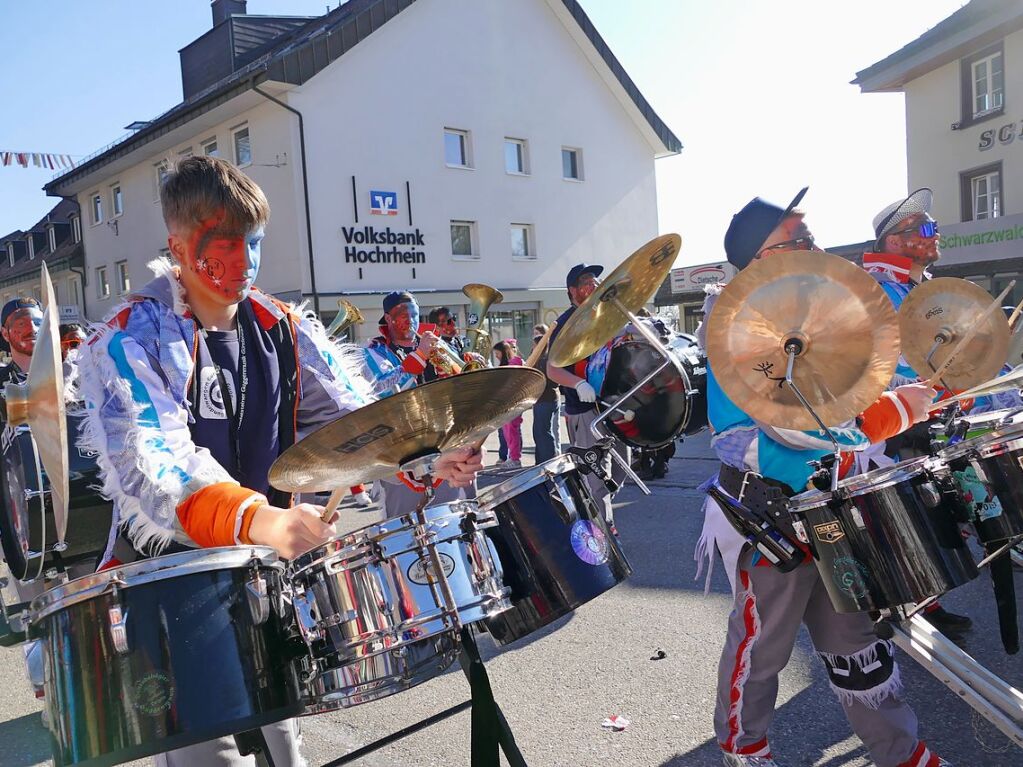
793	348
993	698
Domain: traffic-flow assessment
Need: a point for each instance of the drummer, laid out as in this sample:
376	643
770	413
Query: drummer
198	383
906	244
19	326
579	396
770	605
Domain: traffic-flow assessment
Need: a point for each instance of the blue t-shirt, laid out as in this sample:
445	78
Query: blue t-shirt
241	433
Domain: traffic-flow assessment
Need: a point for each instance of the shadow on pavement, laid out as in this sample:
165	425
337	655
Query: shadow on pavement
25	742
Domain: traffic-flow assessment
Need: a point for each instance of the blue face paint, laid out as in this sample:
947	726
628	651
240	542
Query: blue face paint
252	253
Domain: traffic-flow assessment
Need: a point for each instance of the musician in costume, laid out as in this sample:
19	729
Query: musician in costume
198	382
401	358
446	328
906	244
579	395
769	605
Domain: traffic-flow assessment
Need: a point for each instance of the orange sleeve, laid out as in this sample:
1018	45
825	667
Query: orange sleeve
210	516
885	418
413	364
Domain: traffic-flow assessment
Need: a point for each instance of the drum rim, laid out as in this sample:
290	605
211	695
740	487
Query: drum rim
361	542
493	496
150	571
994	442
892	475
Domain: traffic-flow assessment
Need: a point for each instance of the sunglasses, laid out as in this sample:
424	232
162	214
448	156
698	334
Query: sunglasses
926	229
800	243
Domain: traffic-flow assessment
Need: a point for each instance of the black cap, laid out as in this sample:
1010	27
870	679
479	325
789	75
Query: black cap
579	270
752	225
391	300
17	304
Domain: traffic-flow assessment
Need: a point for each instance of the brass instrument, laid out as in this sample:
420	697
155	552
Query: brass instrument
348	314
444	359
481	297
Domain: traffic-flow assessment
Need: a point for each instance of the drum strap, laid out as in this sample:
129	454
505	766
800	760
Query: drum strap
759	494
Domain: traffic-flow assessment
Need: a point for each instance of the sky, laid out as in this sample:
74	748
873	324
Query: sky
757	90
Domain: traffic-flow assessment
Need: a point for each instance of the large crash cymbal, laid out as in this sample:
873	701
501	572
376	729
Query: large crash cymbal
947	307
374	441
633	283
840	316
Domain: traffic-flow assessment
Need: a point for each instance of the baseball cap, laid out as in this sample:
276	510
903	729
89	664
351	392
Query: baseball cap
752	225
579	270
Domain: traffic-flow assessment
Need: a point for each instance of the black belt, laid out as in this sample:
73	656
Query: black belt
764	496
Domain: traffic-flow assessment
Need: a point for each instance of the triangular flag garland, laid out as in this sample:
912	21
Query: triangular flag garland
36	159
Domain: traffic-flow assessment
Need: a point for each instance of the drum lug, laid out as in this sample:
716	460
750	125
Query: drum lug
31	495
561	494
259	602
118	626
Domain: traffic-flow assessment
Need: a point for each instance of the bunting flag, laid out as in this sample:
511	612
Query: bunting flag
36	160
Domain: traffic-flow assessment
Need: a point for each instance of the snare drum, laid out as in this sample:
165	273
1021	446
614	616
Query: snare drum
372	610
670	404
555	547
27	530
891	540
165	653
988	474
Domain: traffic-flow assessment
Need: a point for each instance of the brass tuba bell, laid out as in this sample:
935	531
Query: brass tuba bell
481	297
348	314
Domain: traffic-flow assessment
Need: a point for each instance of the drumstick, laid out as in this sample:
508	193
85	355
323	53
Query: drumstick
974	329
1015	315
332	503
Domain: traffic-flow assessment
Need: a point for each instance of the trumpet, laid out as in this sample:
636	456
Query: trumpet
444	359
348	314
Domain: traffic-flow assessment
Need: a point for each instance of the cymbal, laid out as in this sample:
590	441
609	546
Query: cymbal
838	314
375	440
948	307
633	283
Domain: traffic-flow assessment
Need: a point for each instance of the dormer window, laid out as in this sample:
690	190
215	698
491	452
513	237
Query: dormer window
31	247
10	253
76	229
51	234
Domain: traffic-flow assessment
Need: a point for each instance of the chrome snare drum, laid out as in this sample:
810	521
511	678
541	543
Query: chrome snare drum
165	653
889	539
555	547
372	608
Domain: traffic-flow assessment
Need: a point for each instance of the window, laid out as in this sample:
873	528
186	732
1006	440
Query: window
56	293
10	253
515	160
102	283
571	164
123	283
981	193
116	200
74	289
209	148
76	229
242	147
186	152
988	83
456	148
51	236
160	171
463	240
522	241
96	208
31	247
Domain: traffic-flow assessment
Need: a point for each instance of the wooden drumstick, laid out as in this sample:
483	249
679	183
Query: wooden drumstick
332	503
974	329
1014	317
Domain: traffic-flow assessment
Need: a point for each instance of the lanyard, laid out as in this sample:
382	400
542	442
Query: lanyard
234	417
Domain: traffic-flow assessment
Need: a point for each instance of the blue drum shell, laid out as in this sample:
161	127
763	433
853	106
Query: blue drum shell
197	666
892	543
556	557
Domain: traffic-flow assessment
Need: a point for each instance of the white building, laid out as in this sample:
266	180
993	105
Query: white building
402	144
963	81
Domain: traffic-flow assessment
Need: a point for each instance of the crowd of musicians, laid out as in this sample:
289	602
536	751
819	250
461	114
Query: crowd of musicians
199	381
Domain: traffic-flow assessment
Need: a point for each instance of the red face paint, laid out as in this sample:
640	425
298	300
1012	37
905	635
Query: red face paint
22	328
226	265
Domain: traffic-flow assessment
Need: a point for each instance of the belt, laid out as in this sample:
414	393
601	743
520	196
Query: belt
761	495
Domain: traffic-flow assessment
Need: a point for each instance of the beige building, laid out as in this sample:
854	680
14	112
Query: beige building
409	144
963	81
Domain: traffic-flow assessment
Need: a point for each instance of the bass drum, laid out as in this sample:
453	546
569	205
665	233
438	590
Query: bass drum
27	530
673	403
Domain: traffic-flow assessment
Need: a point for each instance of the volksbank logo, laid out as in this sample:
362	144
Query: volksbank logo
383	203
369	235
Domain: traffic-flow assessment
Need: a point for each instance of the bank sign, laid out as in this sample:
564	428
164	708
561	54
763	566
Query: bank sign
989	239
383	245
691	278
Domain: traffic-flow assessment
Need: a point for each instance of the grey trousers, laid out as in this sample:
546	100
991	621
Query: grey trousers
283	738
768	609
399	499
579	435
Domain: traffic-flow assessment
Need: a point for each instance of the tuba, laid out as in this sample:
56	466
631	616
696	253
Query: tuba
348	314
481	297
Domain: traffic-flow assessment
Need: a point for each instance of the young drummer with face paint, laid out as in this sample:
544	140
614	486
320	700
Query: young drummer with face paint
199	382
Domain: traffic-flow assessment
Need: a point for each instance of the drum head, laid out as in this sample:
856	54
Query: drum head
21	517
660	409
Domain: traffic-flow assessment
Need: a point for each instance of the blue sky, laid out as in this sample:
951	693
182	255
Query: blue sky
757	90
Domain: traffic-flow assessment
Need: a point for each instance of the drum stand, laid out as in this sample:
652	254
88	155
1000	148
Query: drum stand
490	730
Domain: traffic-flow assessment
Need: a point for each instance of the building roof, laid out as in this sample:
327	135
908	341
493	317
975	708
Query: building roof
301	54
67	253
976	24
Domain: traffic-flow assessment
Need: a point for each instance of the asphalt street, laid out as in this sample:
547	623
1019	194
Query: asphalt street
557	686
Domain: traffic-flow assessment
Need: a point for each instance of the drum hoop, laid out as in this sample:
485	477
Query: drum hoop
150	571
495	495
992	443
858	485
